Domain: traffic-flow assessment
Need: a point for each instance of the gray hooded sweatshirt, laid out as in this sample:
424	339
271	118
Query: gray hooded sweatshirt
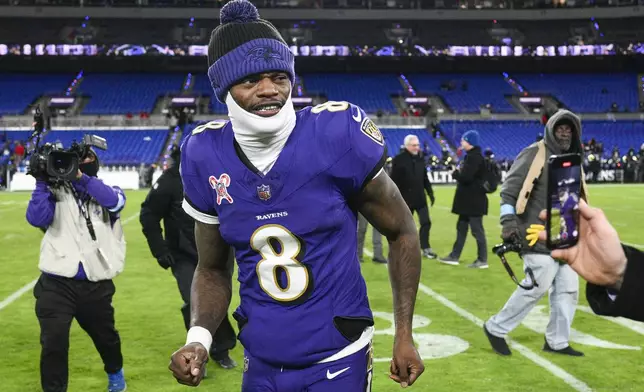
539	195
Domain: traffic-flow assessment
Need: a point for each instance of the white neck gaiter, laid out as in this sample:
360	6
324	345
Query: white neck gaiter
261	138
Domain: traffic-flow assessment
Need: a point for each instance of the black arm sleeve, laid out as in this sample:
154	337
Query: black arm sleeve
470	168
153	209
427	184
630	299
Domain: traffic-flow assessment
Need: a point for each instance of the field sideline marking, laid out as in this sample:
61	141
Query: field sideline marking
17	294
568	378
634	326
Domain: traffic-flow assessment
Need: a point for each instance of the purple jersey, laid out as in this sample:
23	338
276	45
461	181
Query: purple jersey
293	229
567	213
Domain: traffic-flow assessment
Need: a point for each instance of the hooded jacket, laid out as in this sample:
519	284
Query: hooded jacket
539	195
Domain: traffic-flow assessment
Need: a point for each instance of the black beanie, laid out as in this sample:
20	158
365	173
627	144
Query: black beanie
243	45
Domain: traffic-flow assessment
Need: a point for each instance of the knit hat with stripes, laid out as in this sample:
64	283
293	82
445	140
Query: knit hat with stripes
243	45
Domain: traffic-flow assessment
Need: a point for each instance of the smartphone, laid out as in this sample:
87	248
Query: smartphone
564	188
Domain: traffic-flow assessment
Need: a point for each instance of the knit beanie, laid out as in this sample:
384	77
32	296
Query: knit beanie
472	137
243	45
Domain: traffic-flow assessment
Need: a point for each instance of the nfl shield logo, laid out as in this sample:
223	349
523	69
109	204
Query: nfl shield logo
264	192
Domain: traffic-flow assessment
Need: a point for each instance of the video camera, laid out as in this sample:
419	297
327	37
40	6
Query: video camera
51	162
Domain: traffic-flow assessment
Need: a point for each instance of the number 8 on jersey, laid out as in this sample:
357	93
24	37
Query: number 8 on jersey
279	249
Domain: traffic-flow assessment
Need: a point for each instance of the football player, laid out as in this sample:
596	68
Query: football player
283	188
569	204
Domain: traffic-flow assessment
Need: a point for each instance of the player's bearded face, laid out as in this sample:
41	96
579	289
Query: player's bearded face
262	94
563	135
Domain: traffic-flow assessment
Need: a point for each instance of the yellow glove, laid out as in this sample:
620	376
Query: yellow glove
533	233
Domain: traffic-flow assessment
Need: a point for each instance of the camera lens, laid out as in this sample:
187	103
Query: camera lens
62	164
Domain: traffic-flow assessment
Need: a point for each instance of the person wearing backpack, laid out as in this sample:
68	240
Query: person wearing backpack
492	172
470	201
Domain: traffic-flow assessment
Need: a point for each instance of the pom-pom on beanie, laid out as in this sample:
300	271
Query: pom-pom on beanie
243	45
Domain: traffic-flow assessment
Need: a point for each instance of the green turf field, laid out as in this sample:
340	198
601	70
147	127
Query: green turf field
452	302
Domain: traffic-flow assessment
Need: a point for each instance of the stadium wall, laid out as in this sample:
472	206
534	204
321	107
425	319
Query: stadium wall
130	179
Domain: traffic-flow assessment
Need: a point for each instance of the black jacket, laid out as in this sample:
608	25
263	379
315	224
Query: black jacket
630	298
470	198
164	203
409	173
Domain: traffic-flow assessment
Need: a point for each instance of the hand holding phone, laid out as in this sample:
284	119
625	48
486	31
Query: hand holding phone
564	188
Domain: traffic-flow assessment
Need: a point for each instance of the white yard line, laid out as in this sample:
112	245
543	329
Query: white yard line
130	218
558	372
17	294
14	296
568	378
634	326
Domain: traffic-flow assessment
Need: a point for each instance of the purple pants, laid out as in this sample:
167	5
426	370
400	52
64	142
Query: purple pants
348	374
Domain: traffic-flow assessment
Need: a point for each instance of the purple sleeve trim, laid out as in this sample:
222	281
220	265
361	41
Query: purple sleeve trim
105	195
40	211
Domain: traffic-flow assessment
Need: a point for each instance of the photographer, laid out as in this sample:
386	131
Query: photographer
523	195
178	250
81	252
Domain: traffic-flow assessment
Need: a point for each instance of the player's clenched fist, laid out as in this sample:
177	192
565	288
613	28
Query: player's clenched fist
406	365
189	363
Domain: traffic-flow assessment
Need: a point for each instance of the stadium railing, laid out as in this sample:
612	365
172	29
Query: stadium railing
332	4
160	121
391	121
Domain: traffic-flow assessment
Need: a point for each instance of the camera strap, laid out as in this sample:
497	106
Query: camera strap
500	250
82	206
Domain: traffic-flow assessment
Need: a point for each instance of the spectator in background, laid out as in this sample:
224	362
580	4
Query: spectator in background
19	153
426	151
409	173
376	237
470	201
639	177
630	165
142	172
149	175
178	250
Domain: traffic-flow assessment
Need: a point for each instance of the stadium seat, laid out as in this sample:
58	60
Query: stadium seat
202	86
582	93
481	89
369	91
621	134
127	93
18	91
505	138
508	138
